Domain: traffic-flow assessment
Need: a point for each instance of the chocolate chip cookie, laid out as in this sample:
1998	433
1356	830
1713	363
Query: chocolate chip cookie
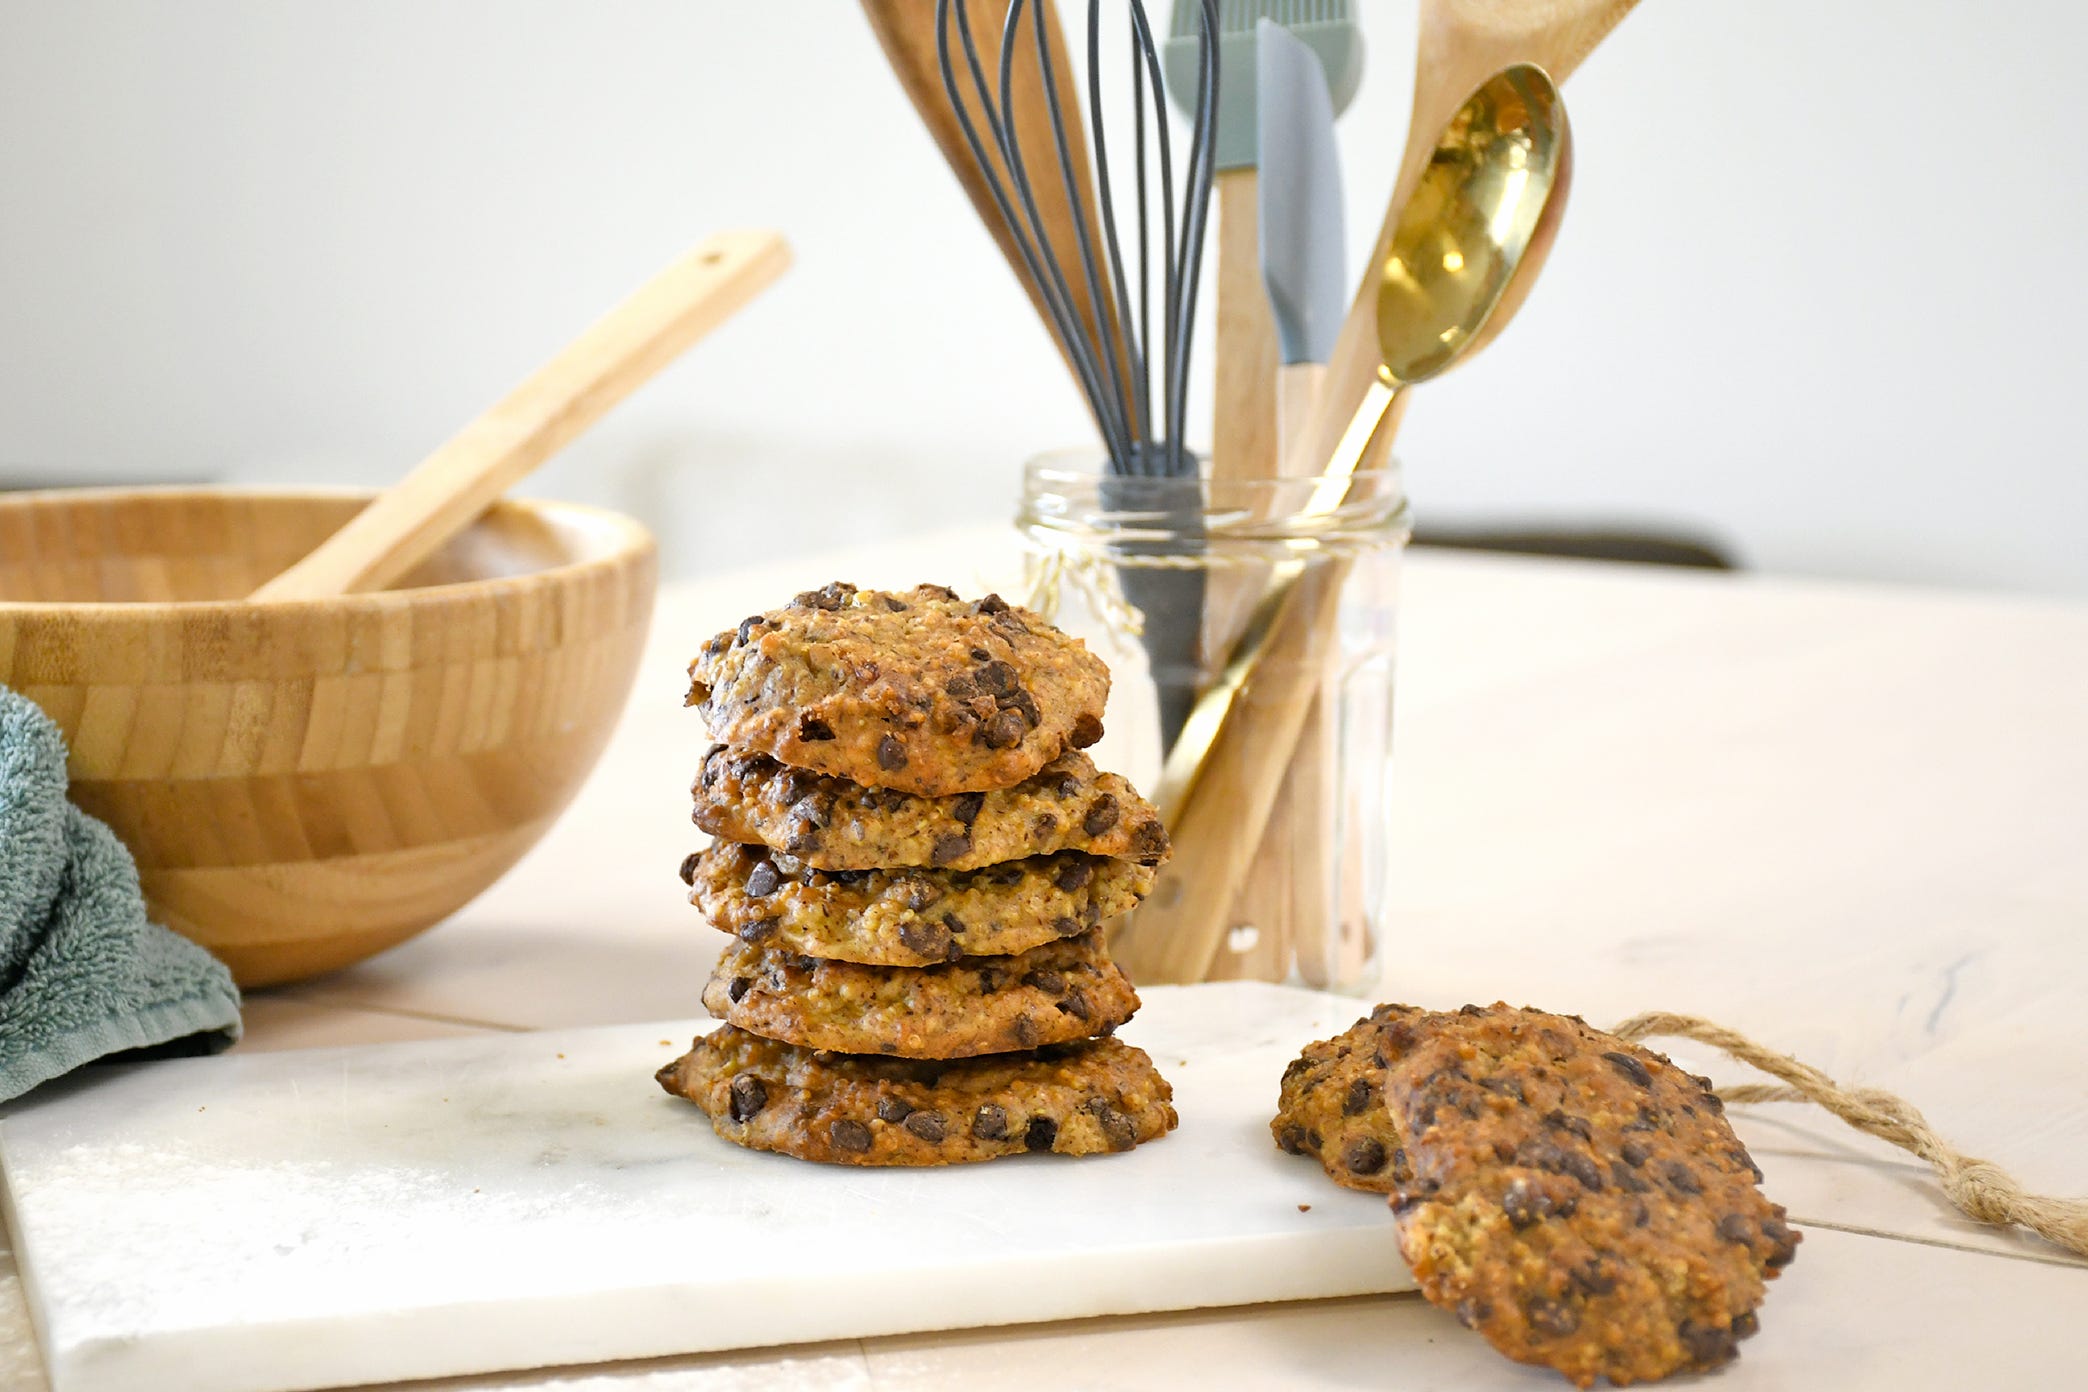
1578	1200
1074	1099
919	691
977	1005
832	824
910	918
1332	1105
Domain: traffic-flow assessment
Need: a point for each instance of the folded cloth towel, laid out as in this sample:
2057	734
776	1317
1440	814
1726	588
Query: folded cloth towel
82	974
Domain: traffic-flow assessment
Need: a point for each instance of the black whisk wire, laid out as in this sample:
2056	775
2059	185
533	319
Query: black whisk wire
1141	421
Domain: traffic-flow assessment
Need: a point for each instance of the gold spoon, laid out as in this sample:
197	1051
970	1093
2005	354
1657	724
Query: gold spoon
1467	247
1465	252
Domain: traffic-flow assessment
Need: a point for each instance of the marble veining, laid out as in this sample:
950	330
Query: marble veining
329	1217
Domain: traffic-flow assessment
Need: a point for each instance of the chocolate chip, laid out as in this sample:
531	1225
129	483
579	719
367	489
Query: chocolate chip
814	730
917	892
1549	1316
1067	927
1006	873
1073	875
891	754
953	923
1630	1067
831	596
996	678
738	989
1066	787
1708	1345
1023	1032
1401	1171
981	655
814	809
1149	841
748	625
1746	1324
1292	1141
990	1122
1506	1087
1573	1125
759	930
1043	826
1045	980
1117	1130
927	1125
954	846
1086	730
892	1109
1784	1242
961	687
1471	1310
1635	1153
688	867
990	979
1593	1277
965	807
1101	815
1683	1178
1470	1010
749	1096
1025	703
1713	1101
992	604
1628	1180
925	939
1040	1134
1075	1004
762	881
1734	1227
896	605
851	1136
1358	1097
1365	1155
1524	1205
1503	1152
1004	731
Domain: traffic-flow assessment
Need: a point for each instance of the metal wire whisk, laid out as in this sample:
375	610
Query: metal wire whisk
1111	348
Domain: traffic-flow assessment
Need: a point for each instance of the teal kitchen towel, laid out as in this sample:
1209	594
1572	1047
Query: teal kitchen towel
82	974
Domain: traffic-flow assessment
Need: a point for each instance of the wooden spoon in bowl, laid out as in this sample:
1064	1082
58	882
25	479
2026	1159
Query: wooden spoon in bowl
409	521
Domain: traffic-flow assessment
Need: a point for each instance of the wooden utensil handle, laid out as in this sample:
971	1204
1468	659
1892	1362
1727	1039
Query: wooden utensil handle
605	364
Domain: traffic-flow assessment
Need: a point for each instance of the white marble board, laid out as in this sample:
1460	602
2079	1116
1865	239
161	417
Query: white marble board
328	1217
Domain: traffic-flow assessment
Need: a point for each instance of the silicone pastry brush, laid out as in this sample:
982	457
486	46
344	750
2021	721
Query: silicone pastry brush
1243	428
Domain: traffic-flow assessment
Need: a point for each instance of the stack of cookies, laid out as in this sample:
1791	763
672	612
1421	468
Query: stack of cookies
916	863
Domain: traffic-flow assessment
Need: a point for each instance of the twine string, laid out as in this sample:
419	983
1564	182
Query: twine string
1979	1188
1050	574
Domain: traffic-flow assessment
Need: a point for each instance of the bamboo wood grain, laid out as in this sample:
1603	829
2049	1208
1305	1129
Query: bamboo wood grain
618	353
906	29
305	784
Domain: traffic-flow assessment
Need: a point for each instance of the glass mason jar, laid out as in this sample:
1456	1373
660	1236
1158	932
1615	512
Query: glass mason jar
1250	637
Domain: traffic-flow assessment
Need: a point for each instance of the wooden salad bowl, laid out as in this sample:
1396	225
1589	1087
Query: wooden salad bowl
306	783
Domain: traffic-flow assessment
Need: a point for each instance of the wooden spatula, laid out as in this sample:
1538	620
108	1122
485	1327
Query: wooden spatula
409	521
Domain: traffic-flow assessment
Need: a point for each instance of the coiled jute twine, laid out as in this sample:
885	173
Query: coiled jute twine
1979	1188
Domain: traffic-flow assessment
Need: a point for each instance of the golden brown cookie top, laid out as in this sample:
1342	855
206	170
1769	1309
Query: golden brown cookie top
1577	1199
921	691
833	824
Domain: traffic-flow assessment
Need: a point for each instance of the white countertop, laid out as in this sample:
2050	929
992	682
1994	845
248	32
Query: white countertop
1848	821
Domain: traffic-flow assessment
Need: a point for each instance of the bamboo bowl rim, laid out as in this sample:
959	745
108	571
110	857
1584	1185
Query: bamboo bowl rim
622	539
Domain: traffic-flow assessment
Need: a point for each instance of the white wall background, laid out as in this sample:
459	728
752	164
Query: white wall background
1820	289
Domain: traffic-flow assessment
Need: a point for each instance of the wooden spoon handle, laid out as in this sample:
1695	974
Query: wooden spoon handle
409	521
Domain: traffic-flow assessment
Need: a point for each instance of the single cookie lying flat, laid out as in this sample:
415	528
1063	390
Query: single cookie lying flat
910	918
920	691
977	1005
1332	1105
1075	1099
1578	1200
832	824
